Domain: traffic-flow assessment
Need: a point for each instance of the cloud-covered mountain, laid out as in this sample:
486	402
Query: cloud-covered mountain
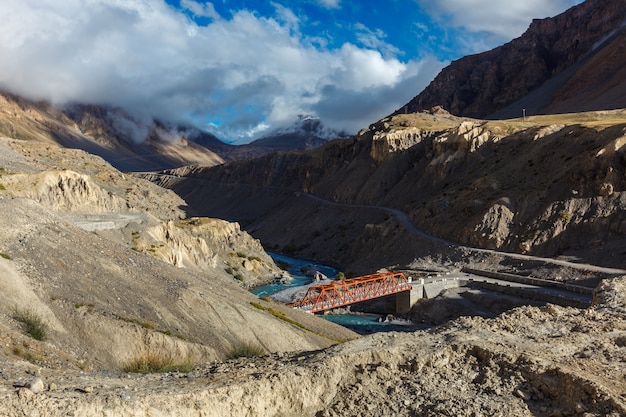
307	132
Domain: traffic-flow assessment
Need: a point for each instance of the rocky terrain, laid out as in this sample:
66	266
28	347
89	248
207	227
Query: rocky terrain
548	361
572	62
546	186
119	297
113	269
117	271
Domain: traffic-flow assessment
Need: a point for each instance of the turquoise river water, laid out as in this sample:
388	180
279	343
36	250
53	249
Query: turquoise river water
360	323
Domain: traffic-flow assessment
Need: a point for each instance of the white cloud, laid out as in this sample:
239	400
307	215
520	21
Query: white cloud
244	73
374	39
504	19
200	9
330	4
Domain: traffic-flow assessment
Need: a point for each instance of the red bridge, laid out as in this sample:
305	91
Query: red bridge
336	294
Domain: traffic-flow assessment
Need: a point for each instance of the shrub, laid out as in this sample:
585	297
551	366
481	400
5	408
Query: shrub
158	359
246	350
257	305
32	323
25	354
5	256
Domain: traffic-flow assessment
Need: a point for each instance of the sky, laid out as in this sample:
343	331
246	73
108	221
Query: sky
241	68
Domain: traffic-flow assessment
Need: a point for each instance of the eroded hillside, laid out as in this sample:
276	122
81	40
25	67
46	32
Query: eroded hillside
113	268
548	361
547	186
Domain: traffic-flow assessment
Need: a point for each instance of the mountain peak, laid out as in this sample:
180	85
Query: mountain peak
541	64
307	132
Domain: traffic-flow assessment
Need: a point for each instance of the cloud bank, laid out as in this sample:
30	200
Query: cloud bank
237	75
502	19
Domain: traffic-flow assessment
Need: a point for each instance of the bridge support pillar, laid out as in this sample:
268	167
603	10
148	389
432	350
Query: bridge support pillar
405	300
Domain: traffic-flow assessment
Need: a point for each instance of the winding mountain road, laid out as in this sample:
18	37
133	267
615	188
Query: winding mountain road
403	219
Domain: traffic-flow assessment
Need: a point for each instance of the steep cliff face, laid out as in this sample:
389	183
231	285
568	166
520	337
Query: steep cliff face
545	185
482	84
207	244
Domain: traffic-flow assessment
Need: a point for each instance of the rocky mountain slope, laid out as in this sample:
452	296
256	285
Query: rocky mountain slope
133	145
114	269
569	63
548	361
547	186
110	133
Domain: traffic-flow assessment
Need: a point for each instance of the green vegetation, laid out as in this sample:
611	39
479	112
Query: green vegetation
24	353
143	323
2	187
283	317
158	359
257	305
280	315
341	276
242	255
90	306
5	256
32	324
234	271
246	350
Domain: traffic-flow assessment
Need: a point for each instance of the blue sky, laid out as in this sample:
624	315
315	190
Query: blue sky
241	68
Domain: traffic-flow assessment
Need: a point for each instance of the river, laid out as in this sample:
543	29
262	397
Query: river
360	323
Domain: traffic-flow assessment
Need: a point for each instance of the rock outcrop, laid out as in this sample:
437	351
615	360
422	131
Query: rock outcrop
543	186
555	49
546	361
66	191
112	270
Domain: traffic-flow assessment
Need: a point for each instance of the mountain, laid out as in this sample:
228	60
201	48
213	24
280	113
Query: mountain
134	145
111	133
307	133
568	63
545	186
114	267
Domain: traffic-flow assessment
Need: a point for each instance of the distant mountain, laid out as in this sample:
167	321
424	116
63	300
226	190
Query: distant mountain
133	145
569	63
108	132
307	133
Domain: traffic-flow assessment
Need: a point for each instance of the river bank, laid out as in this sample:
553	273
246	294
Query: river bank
304	273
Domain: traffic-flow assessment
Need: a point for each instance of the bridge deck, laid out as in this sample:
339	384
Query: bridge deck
336	294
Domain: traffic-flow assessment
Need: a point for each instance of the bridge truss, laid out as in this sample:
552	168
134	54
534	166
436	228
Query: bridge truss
340	293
